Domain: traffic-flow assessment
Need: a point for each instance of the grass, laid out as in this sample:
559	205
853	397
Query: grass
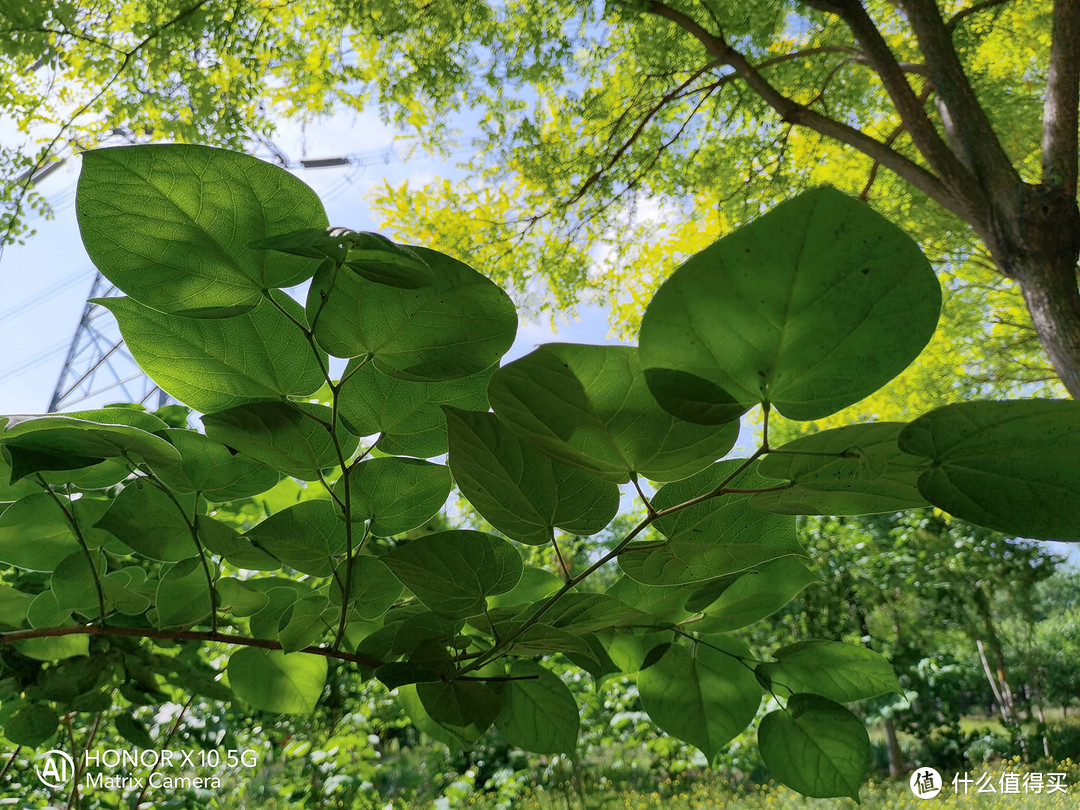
881	795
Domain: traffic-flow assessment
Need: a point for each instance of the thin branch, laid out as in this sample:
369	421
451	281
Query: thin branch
13	636
798	114
1060	121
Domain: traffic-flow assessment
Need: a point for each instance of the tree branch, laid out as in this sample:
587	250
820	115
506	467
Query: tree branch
973	139
910	107
12	636
798	114
1059	141
959	16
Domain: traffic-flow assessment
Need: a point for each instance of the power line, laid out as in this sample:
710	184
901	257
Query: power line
40	297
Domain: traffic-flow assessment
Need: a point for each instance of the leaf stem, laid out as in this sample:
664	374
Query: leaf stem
74	524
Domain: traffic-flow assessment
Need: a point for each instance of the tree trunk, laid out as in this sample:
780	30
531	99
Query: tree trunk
896	758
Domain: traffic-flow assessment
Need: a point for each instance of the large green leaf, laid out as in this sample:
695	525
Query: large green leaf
212	469
453	572
704	697
852	470
722	535
35	534
183	595
1008	466
212	365
589	406
396	494
520	491
455	737
58	442
538	712
308	537
832	669
406	413
290	437
758	593
809	308
151	522
221	539
171	225
816	747
32	725
54	648
372	586
459	325
275	682
9	490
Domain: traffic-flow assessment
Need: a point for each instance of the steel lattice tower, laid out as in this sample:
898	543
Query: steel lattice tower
98	362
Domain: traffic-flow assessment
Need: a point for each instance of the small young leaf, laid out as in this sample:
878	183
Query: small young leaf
816	747
272	681
212	469
183	595
373	586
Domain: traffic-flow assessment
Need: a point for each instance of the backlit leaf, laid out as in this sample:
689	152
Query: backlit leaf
272	681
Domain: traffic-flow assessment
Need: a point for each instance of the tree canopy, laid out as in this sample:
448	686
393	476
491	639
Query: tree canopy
615	133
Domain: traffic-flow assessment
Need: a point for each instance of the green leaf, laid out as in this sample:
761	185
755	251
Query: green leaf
309	619
223	540
74	581
520	491
307	537
32	725
235	596
13	606
459	704
759	593
809	308
272	681
458	326
832	669
371	255
151	522
133	731
54	648
586	613
535	584
406	413
45	611
453	572
852	470
212	469
290	437
1008	466
816	747
12	488
589	406
35	534
183	595
212	365
722	535
373	586
453	737
171	225
538	714
662	603
52	438
704	697
122	591
396	494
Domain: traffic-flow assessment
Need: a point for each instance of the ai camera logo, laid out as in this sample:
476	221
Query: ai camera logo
925	783
58	768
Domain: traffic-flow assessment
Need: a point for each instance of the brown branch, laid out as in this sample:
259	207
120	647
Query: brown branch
864	195
973	138
798	114
12	636
894	79
1060	122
